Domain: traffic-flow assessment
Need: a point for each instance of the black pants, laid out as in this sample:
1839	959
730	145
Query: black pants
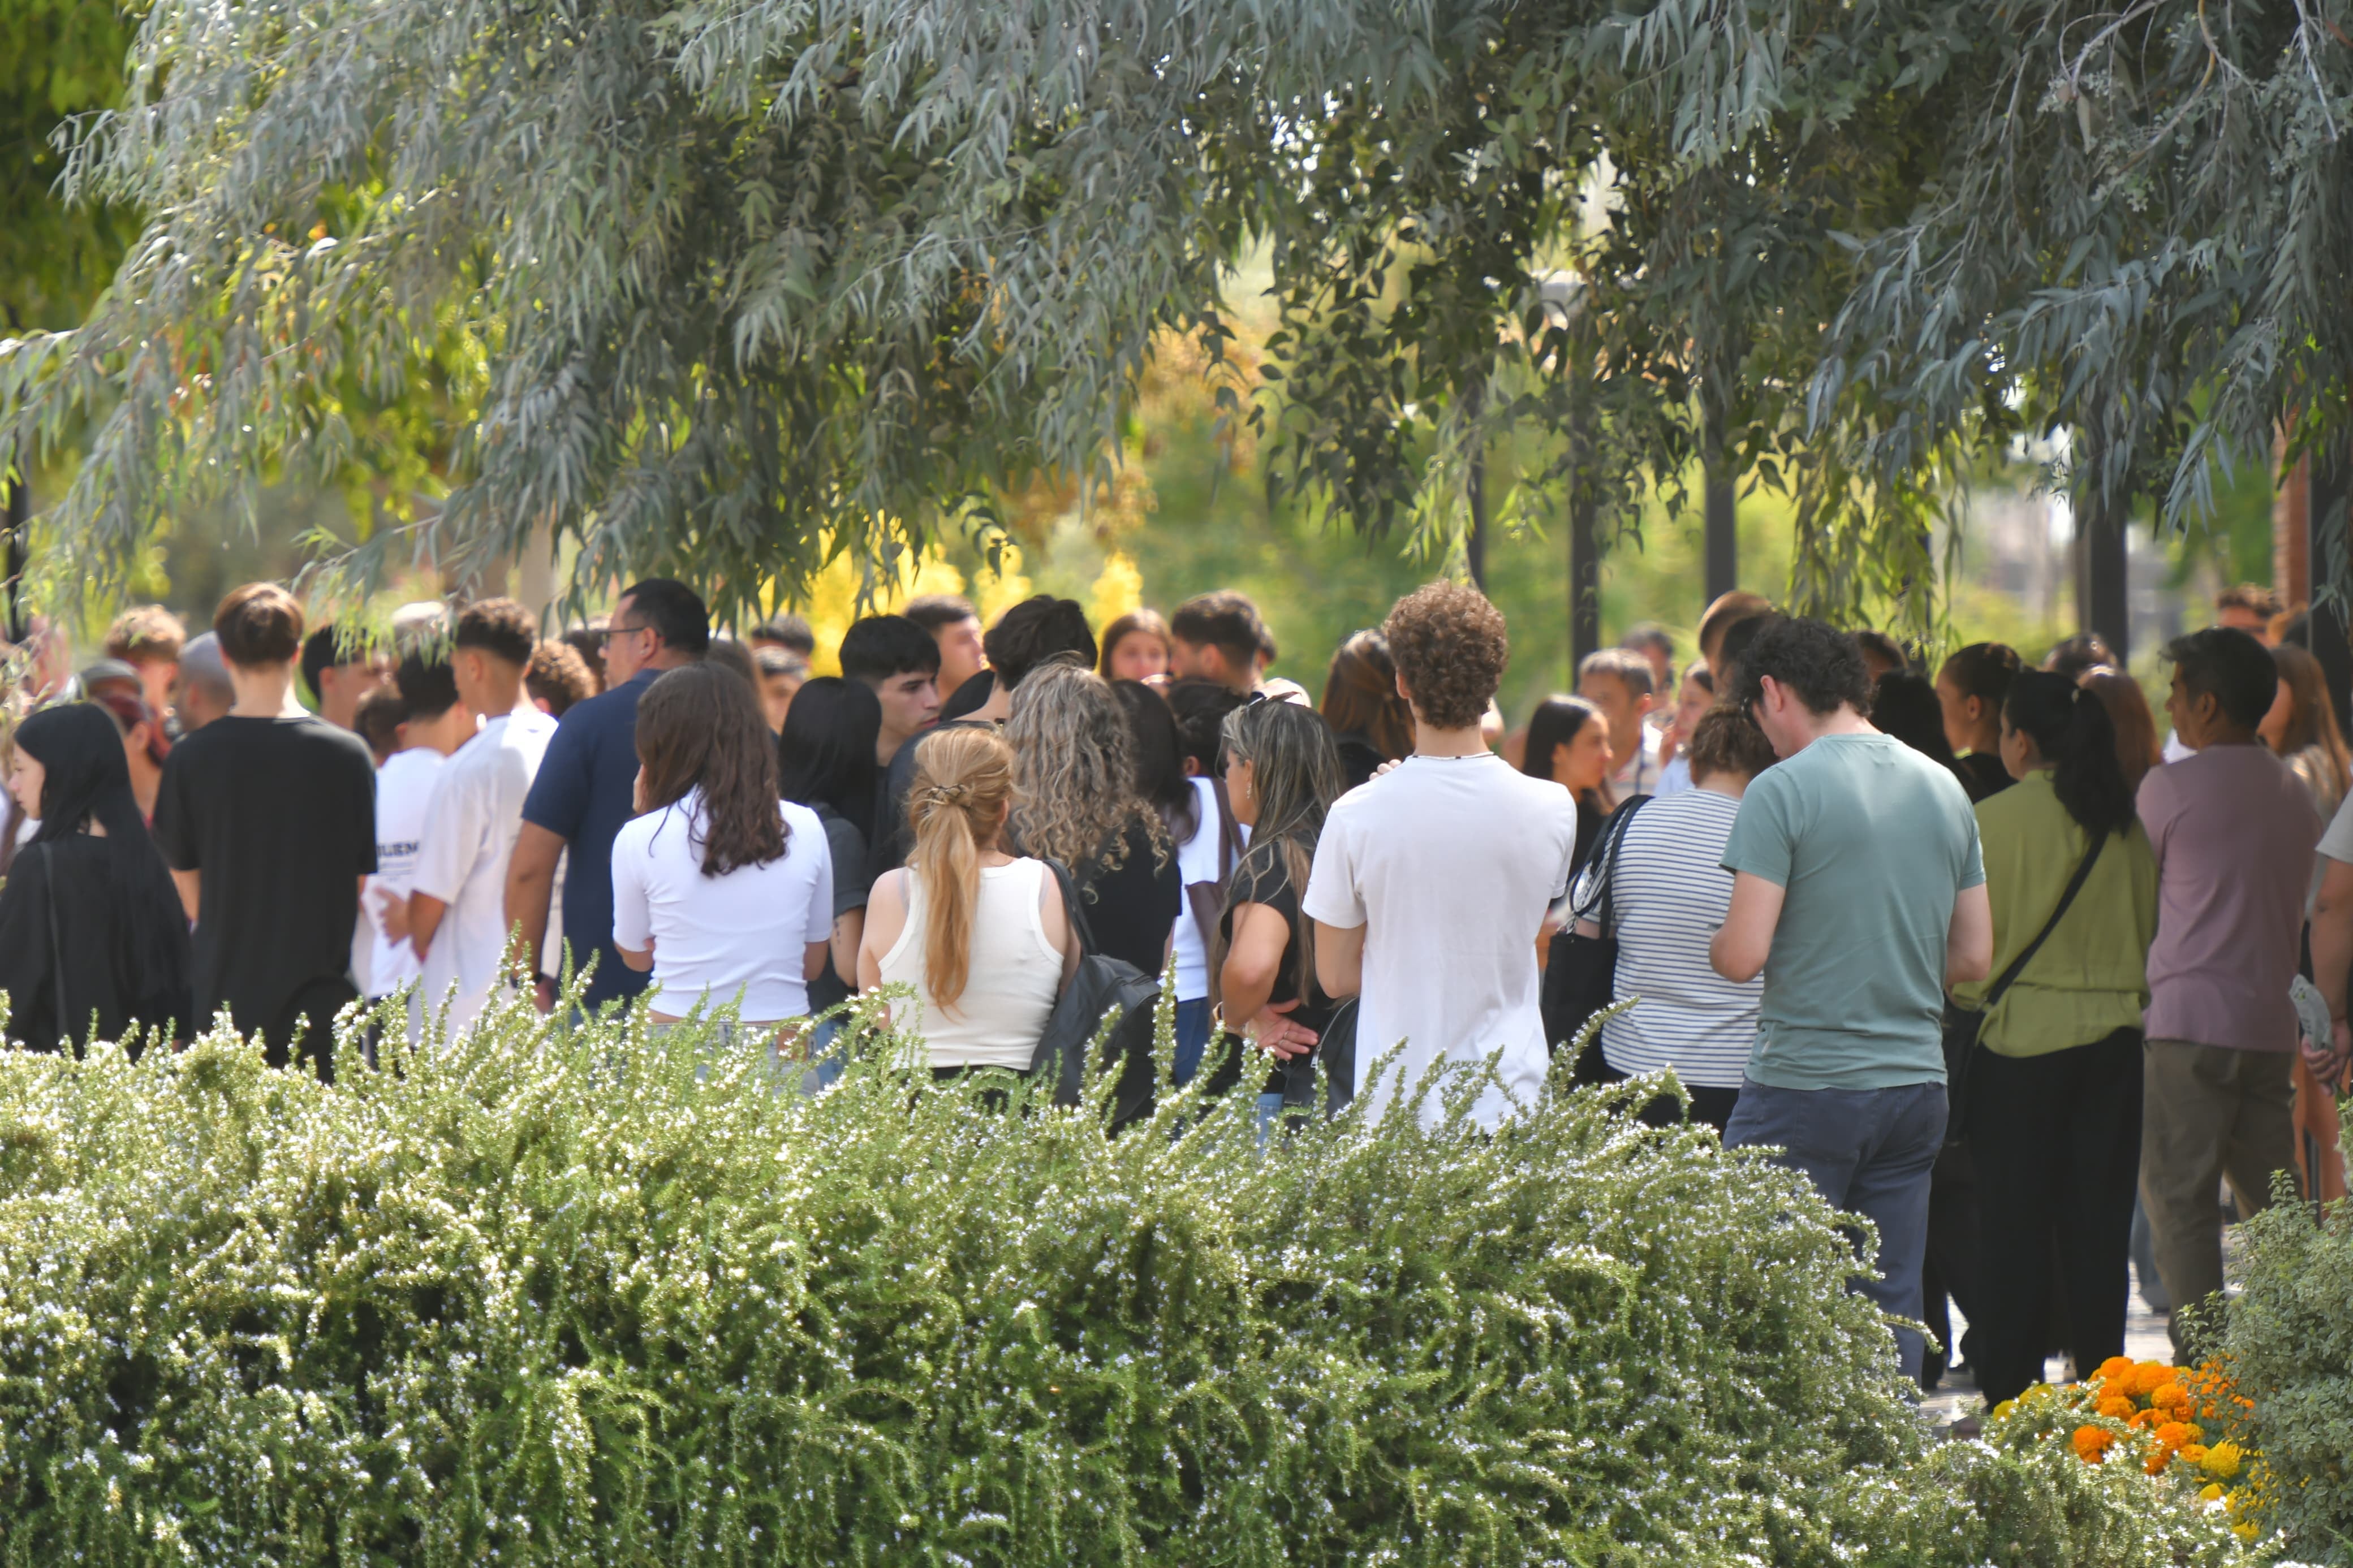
1713	1106
994	1096
2056	1142
1948	1269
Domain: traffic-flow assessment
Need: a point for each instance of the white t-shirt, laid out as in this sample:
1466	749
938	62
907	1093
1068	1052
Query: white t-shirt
469	839
1670	894
1197	861
1449	863
404	795
714	936
1675	777
2337	842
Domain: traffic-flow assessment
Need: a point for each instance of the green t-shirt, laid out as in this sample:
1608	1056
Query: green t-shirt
1870	842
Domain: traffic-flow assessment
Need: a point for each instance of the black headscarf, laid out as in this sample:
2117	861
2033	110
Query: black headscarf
88	780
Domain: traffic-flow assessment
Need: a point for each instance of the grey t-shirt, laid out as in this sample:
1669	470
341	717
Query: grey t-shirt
1870	842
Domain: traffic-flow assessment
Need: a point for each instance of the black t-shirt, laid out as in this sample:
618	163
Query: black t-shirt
278	815
1590	818
1358	758
1982	775
852	883
1131	908
1264	878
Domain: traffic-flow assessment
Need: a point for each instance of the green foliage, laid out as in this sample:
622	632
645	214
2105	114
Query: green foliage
604	1297
65	58
2031	1503
731	287
2287	1342
2138	228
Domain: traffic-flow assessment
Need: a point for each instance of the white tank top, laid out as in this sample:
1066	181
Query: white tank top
1014	978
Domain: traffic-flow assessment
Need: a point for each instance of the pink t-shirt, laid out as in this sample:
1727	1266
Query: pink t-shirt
2234	833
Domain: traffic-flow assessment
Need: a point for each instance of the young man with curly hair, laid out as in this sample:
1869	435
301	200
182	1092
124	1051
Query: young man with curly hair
1432	881
1858	891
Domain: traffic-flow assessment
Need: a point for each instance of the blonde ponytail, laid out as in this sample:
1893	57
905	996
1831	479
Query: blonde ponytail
964	777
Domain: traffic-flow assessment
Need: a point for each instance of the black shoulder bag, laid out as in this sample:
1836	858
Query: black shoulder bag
1581	972
1962	1023
1102	986
57	951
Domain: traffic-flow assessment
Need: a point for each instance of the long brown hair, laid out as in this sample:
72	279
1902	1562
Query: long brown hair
2138	750
2312	717
699	727
964	779
1360	696
1295	772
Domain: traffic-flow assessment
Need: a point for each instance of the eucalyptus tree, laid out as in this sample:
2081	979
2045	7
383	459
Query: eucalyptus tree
2143	230
727	287
1694	172
65	57
722	288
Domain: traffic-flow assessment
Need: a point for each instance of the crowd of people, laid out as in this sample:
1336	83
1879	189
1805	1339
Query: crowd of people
1980	956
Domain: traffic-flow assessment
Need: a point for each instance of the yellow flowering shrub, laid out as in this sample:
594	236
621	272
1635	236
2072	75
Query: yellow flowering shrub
2157	1414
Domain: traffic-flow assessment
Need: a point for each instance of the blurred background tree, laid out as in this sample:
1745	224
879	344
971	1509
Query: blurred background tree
762	291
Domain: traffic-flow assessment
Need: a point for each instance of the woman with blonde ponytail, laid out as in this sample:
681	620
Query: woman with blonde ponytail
979	936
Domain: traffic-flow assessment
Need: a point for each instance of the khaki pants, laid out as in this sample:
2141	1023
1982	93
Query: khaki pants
2208	1112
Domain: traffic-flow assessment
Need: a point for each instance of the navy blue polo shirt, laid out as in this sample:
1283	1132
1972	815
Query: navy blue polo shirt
586	789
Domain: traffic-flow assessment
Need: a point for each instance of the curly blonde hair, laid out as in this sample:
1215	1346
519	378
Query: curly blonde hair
1074	771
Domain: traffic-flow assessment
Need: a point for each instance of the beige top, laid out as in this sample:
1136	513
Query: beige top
1015	975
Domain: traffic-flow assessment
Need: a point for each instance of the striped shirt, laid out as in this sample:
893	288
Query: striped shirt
1670	894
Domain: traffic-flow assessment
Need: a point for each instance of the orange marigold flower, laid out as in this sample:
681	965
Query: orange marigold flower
2175	1434
2191	1453
2116	1366
2091	1442
2149	1376
2171	1396
2117	1407
2157	1461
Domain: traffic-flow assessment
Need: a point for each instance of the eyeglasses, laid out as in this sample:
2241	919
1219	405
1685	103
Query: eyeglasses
609	633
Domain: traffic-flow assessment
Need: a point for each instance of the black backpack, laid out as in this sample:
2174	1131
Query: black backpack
1103	986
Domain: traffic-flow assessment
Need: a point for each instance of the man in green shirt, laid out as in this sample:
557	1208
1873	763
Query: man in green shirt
1859	894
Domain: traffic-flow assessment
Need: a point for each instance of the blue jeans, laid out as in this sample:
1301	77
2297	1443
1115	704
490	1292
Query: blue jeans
1192	1037
1869	1151
825	1063
1269	1113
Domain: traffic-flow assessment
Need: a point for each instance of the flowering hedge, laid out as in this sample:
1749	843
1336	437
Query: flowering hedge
2287	1340
2155	1418
606	1298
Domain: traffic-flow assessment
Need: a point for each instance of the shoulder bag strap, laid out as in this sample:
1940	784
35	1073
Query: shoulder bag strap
1071	909
56	947
1619	820
1229	832
2018	965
